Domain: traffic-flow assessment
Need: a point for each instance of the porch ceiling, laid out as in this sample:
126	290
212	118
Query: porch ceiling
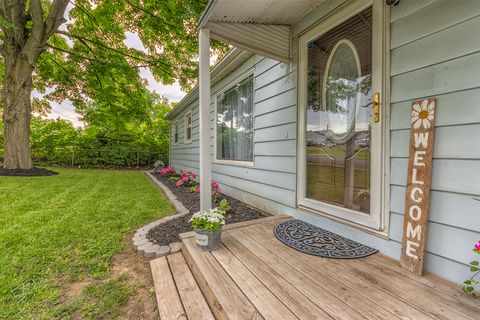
259	26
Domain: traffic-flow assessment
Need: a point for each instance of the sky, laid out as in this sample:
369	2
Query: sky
65	109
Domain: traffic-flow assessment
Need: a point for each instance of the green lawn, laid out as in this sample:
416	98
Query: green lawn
326	183
66	228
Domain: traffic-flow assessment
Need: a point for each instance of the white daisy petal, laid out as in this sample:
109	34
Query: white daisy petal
430	117
415	113
424	104
431	107
416	107
426	123
417	124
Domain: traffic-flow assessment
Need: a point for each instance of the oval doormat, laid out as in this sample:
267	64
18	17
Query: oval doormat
313	240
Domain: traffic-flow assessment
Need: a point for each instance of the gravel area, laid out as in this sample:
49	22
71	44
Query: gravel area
168	232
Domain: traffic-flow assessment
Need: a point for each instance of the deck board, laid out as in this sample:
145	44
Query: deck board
225	299
435	304
264	301
168	300
332	295
366	289
194	303
299	303
255	276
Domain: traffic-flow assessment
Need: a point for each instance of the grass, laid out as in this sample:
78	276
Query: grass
326	183
67	228
338	152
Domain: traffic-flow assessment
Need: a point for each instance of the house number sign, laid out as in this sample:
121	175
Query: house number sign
417	196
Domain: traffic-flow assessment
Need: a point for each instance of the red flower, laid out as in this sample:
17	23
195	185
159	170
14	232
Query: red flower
194	175
179	183
185	179
477	246
197	190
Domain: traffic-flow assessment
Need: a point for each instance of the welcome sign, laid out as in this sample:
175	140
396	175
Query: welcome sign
417	196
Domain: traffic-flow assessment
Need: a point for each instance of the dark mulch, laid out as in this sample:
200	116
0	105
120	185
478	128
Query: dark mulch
168	232
34	172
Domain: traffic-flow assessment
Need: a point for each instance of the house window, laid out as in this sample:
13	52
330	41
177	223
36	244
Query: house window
175	132
234	135
188	127
340	158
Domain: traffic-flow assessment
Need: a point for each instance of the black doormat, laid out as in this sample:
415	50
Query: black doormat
313	240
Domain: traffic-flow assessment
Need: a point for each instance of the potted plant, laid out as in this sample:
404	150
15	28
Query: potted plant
208	228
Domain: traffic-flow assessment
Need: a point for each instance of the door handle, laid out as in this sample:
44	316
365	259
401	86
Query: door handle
376	107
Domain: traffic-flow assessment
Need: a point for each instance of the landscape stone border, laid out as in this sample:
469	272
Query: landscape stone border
148	249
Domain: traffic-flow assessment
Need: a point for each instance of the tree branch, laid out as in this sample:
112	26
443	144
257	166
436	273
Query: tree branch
42	31
151	14
55	17
152	62
96	59
38	26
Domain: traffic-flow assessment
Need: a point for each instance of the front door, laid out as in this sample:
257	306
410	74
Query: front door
340	171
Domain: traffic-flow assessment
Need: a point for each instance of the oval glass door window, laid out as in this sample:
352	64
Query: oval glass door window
340	90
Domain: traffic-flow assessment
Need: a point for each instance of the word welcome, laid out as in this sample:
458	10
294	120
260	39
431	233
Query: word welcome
417	196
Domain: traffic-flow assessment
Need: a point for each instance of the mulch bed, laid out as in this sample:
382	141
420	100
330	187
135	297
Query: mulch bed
168	232
34	172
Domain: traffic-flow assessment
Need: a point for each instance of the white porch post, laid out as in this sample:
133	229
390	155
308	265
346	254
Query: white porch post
204	113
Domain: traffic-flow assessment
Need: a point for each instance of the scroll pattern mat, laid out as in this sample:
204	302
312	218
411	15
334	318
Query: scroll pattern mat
313	240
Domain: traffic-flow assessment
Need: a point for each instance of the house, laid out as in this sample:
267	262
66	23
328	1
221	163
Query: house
310	113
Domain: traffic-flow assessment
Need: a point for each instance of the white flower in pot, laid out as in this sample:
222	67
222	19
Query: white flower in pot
208	228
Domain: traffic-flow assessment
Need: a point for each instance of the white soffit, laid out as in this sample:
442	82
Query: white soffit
260	26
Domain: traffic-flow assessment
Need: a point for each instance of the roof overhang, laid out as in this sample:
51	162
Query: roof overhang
258	26
230	62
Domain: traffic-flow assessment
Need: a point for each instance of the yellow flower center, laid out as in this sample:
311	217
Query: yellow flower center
423	114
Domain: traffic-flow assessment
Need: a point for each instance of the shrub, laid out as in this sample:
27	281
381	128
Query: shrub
468	285
187	179
224	206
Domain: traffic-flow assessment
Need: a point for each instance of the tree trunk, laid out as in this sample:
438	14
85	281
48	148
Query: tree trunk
17	88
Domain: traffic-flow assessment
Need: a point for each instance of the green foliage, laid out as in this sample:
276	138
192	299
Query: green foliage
99	73
89	63
211	220
224	206
469	284
57	142
66	228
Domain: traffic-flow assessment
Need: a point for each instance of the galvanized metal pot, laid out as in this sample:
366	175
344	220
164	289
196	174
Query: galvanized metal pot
208	240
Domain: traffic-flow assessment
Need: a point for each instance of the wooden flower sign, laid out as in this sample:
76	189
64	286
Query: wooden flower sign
418	185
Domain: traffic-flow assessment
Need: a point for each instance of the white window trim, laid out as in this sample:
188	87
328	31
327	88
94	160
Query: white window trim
376	222
175	131
226	87
188	114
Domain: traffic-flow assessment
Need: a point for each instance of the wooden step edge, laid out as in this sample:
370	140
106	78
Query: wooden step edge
168	299
225	299
191	234
194	303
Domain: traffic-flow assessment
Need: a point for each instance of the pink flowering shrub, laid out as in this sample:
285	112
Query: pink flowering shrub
216	191
187	179
167	171
468	285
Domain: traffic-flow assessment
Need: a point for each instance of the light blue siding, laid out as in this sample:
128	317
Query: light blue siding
435	51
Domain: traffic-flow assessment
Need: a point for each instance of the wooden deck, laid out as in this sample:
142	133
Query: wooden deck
254	276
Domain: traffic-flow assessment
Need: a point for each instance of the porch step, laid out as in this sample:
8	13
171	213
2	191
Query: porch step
224	297
178	295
